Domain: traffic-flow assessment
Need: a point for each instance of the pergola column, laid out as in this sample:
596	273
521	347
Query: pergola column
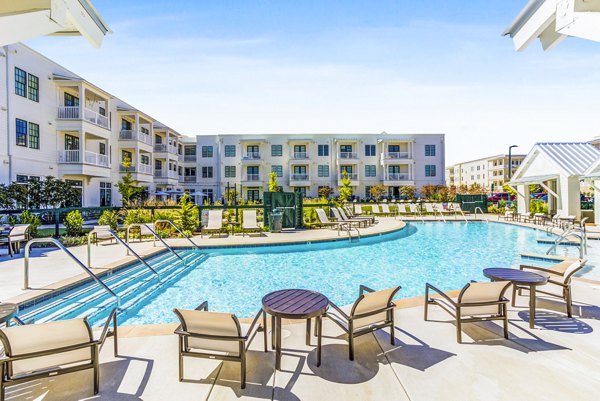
523	198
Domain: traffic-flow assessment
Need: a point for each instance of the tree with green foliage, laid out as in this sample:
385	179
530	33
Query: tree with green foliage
325	192
126	186
186	218
408	191
273	181
377	191
230	195
29	218
346	190
109	218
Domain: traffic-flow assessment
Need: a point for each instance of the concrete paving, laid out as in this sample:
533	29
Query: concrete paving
558	360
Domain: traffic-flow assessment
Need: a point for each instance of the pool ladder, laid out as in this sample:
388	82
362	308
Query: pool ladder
576	232
482	214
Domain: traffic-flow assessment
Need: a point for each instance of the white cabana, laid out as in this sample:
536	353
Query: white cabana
25	19
592	176
558	168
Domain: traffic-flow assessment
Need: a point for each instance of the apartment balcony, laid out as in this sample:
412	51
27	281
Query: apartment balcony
397	179
77	162
139	172
299	180
393	157
190	158
168	177
252	180
251	157
352	176
348	155
91	116
164	148
137	137
299	155
190	179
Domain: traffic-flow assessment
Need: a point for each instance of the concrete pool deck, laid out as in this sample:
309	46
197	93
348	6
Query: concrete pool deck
558	360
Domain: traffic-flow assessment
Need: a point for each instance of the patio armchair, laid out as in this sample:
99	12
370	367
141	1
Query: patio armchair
101	232
216	335
35	351
508	215
214	224
525	217
476	302
559	283
14	237
373	310
249	223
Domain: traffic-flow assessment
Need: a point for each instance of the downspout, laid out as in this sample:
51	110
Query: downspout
8	148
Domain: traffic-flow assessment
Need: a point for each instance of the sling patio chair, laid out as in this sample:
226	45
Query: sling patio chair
375	210
430	208
385	209
100	233
476	302
35	351
559	283
352	222
414	209
373	310
508	215
216	335
348	213
17	234
249	223
214	224
325	222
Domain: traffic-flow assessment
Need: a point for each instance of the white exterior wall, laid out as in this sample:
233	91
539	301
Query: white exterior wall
490	172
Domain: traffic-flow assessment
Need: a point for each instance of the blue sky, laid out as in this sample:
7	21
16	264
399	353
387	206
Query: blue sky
215	67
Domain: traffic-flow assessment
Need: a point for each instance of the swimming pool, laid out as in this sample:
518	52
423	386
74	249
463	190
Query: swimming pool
235	279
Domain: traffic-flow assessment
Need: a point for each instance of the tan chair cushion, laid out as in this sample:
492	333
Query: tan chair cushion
482	292
47	336
211	323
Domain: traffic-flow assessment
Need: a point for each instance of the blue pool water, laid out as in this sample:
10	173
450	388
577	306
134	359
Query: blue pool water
445	254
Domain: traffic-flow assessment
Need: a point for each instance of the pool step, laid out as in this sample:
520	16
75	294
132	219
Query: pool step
550	241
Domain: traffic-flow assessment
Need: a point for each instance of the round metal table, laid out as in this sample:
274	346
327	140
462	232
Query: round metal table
519	278
294	304
7	312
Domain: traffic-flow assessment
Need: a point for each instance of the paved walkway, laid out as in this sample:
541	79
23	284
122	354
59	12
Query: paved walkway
559	360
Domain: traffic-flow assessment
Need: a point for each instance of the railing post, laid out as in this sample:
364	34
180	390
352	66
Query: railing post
56	223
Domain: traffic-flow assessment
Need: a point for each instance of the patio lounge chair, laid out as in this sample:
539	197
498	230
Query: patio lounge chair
430	208
348	212
385	209
375	210
215	335
325	222
34	351
508	215
102	232
414	209
475	303
373	310
17	234
525	217
214	224
249	223
559	284
342	217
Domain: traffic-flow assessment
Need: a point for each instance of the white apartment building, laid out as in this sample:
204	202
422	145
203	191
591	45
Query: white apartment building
53	122
489	172
304	163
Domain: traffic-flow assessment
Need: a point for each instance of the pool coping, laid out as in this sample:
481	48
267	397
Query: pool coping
52	290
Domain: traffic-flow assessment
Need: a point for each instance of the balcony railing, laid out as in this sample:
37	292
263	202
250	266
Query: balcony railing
397	155
140	168
166	174
72	113
251	156
299	155
189	158
348	155
161	147
131	135
352	176
189	178
396	177
74	157
299	177
68	112
95	118
252	177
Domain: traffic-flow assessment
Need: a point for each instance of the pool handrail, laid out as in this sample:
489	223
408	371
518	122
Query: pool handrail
178	230
77	261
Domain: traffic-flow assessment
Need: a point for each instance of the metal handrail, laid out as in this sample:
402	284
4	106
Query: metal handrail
575	232
482	214
79	263
119	240
178	230
155	236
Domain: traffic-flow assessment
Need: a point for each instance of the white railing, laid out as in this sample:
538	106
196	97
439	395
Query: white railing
68	112
300	155
189	178
348	155
397	155
396	176
166	174
252	155
252	177
145	168
74	157
131	135
189	158
165	148
299	177
95	118
352	176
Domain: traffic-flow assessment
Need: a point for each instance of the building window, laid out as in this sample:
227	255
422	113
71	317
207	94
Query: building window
71	101
207	172
22	179
21	132
276	150
323	170
370	170
145	159
77	185
189	151
145	130
20	82
190	171
102	111
33	88
207	151
429	150
102	148
208	194
368	191
229	150
370	150
229	171
71	142
430	170
105	194
277	170
253	195
323	150
34	136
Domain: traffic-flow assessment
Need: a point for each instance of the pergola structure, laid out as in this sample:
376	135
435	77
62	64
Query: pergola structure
25	19
551	21
559	168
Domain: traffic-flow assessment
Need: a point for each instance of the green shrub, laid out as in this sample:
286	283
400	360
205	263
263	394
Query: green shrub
33	220
73	240
186	218
109	218
538	206
74	224
137	216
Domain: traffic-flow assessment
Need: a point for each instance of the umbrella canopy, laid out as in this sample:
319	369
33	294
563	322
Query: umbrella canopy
160	193
197	194
174	191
